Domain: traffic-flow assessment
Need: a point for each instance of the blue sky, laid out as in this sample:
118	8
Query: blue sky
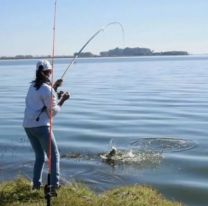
161	25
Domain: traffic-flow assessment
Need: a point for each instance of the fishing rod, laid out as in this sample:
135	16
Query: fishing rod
102	29
48	187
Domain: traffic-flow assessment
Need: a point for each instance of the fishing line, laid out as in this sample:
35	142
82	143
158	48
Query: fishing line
102	29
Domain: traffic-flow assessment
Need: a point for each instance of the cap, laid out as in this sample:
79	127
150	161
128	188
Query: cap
45	64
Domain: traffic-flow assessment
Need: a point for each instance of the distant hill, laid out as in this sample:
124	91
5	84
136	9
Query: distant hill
117	52
138	52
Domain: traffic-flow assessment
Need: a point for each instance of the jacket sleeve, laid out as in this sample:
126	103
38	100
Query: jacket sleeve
49	98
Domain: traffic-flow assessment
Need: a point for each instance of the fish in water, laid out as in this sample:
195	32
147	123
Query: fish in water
109	156
112	152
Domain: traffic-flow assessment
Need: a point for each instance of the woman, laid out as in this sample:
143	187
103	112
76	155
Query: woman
41	102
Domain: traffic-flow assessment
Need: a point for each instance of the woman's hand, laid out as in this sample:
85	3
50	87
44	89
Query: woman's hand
64	97
57	84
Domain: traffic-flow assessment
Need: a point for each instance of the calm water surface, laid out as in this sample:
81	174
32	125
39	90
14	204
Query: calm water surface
118	102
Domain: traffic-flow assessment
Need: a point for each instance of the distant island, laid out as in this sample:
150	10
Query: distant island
117	52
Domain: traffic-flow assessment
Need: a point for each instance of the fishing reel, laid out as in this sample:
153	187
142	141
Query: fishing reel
60	94
49	191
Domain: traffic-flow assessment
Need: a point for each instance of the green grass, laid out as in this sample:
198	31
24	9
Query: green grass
19	193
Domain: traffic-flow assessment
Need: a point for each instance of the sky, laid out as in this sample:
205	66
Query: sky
26	26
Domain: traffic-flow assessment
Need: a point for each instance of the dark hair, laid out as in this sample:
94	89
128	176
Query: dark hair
40	78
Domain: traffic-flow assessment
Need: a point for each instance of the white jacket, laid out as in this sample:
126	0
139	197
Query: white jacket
35	101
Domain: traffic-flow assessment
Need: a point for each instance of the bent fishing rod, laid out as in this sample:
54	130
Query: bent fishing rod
102	29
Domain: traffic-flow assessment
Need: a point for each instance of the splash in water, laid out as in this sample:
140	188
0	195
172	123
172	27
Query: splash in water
131	157
144	151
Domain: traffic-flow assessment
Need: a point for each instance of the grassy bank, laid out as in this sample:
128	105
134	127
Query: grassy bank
19	193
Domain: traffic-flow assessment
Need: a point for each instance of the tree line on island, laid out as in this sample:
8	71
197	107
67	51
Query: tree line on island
117	52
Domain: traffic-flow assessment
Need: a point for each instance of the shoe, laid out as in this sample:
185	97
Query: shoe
36	187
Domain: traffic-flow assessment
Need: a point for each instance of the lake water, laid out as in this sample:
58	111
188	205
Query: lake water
153	107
